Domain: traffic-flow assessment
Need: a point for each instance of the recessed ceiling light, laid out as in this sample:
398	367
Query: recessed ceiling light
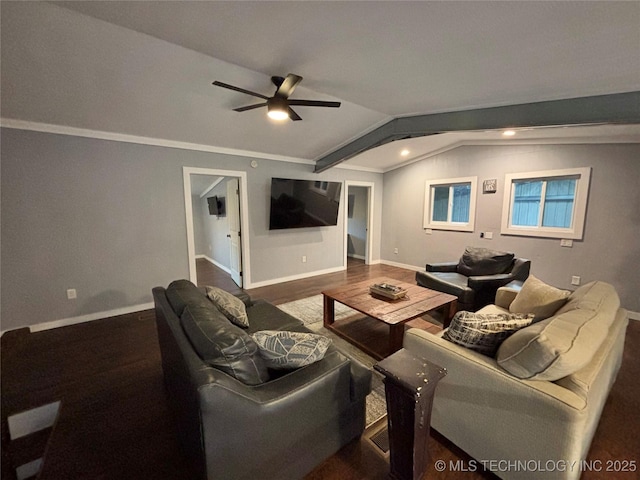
404	152
508	133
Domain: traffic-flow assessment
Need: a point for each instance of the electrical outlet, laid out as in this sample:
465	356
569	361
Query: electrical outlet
72	294
575	280
304	259
488	235
395	250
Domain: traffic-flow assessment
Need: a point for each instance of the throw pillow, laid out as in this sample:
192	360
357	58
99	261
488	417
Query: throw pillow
483	261
484	332
538	298
287	350
231	306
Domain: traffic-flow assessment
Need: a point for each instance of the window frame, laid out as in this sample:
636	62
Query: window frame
575	231
449	225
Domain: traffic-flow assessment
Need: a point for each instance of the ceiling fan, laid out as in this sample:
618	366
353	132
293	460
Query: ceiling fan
279	105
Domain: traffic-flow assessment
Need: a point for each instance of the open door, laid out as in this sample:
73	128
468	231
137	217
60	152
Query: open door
233	215
359	220
238	216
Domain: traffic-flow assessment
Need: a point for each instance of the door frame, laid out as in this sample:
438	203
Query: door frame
370	200
244	219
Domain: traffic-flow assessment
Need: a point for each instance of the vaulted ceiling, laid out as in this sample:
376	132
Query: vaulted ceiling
145	68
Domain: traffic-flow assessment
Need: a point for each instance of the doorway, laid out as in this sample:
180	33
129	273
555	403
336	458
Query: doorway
232	204
358	222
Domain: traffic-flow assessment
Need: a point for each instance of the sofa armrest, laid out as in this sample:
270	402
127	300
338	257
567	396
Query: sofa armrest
489	281
505	295
442	267
245	297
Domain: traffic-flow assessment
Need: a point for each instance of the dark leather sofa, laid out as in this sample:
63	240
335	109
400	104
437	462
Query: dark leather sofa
279	429
475	277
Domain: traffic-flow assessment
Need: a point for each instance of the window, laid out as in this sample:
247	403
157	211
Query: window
546	204
450	204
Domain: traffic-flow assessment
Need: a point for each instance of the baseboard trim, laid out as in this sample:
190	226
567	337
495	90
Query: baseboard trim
300	276
358	257
64	322
213	262
402	265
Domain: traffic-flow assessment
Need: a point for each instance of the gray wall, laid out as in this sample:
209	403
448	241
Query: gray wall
107	218
609	251
213	229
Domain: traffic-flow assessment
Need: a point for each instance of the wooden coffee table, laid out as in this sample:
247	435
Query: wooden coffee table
394	313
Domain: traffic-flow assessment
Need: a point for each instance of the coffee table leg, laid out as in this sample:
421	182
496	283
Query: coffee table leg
329	311
396	335
449	311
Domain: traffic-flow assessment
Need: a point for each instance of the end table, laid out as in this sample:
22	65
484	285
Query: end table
410	384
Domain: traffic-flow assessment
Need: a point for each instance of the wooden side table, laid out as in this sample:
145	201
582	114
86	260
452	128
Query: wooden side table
410	384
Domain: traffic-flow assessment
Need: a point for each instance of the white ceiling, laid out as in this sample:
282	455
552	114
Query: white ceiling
382	59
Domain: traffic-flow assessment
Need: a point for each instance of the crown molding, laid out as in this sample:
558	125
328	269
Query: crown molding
157	142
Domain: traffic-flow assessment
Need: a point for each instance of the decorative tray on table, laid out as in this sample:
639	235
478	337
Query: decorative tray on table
387	290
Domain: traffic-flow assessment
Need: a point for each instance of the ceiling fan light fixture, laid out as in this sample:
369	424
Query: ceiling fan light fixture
277	108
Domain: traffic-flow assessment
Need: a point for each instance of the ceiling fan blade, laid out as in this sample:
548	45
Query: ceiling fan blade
238	89
293	115
288	85
249	107
314	103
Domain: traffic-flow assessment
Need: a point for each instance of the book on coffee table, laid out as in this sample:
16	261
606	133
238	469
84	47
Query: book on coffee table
387	290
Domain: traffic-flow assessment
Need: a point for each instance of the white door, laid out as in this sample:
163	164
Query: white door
233	214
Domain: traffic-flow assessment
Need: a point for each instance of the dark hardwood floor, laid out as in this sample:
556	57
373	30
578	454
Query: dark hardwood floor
114	422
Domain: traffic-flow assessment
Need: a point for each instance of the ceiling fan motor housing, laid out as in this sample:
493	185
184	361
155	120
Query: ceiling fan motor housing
277	107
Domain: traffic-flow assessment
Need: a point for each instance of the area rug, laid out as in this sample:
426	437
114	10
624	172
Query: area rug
310	310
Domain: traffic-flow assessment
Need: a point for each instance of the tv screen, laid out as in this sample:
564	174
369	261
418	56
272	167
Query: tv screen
303	203
213	205
216	206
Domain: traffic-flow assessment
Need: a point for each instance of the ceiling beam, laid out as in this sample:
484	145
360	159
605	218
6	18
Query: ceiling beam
620	108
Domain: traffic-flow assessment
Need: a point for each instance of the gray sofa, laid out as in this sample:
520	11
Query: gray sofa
280	428
539	401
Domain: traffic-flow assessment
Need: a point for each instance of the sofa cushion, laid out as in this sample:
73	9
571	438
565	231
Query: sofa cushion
222	345
484	332
265	316
538	298
287	350
483	261
563	344
181	293
231	306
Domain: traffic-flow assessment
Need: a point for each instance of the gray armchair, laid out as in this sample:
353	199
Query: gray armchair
476	277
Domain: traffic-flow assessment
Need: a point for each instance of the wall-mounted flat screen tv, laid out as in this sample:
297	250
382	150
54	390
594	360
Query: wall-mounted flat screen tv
303	203
216	206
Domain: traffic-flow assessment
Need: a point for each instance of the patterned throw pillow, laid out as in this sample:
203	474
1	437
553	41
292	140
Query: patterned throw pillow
484	332
231	306
287	350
